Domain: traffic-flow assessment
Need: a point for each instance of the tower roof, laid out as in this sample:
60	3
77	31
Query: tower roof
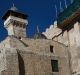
13	8
14	12
39	35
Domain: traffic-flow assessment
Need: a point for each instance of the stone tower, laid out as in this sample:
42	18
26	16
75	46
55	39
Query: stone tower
15	22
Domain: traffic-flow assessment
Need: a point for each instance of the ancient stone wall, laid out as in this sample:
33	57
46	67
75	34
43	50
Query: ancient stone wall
35	57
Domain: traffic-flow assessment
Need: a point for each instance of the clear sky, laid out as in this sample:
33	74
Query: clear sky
40	12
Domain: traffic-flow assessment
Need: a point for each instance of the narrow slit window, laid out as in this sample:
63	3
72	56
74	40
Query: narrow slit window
54	64
51	48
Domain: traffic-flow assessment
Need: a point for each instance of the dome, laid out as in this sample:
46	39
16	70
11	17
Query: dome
39	36
13	8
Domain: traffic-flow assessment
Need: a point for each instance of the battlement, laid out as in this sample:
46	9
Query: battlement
52	31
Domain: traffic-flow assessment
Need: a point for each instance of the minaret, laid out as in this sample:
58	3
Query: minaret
15	22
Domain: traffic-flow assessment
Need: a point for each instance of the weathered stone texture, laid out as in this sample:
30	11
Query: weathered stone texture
35	58
71	38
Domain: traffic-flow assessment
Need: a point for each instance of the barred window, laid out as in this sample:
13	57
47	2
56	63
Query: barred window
54	64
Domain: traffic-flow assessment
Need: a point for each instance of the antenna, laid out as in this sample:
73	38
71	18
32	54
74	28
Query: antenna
56	11
13	8
37	29
65	3
13	5
61	9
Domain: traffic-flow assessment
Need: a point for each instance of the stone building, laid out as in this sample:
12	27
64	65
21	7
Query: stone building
55	52
67	32
20	55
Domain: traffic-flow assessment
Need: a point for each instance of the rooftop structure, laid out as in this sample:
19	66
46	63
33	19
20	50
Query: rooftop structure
15	22
69	15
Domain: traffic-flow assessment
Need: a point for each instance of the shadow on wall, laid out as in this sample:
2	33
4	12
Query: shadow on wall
21	65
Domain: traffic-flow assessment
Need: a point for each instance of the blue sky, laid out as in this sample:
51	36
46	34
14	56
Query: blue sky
40	12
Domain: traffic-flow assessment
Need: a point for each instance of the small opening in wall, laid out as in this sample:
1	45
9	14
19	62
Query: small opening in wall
17	24
20	25
51	48
24	26
20	38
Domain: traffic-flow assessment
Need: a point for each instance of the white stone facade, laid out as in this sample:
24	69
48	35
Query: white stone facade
16	29
53	31
70	38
